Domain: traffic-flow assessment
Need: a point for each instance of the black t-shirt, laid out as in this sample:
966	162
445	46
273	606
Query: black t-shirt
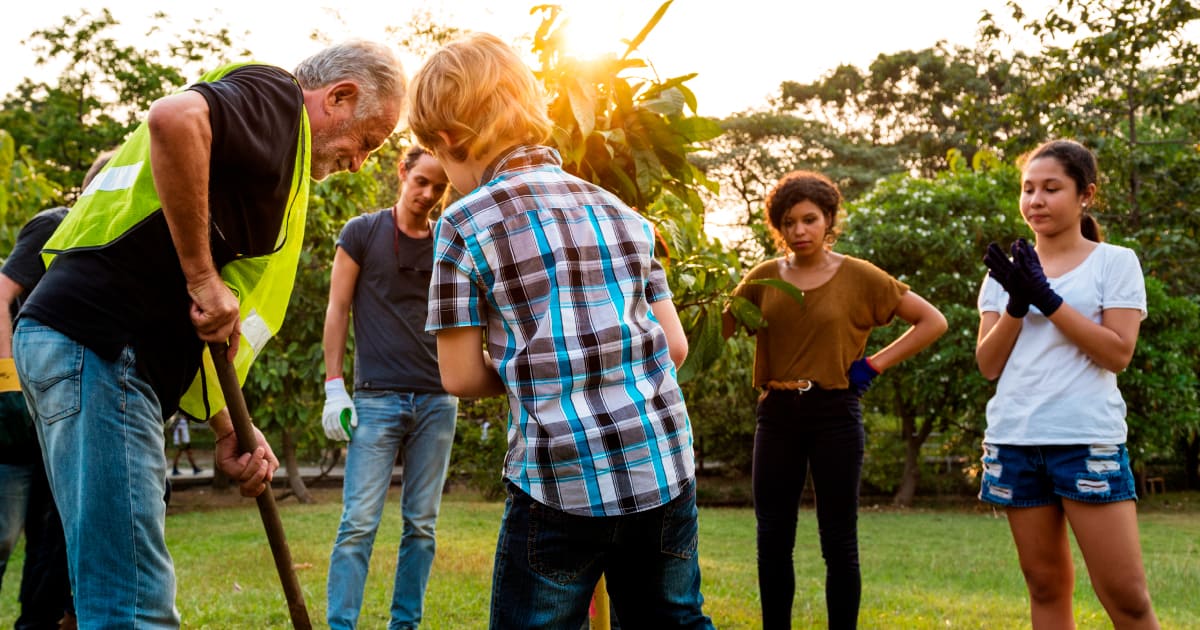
24	266
132	292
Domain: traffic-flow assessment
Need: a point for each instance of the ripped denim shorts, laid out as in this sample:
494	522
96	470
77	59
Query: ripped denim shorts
1031	476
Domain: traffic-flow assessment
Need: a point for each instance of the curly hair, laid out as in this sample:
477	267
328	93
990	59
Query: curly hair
798	187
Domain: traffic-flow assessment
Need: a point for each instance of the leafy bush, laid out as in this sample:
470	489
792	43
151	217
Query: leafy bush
478	455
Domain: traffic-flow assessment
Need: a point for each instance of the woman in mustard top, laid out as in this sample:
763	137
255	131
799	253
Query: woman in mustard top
811	364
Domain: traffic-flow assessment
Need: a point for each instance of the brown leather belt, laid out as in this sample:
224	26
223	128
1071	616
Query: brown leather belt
799	385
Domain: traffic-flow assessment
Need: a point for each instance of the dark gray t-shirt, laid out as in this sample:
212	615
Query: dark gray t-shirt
391	348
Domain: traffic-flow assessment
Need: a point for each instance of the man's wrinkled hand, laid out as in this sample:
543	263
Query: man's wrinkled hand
215	312
253	471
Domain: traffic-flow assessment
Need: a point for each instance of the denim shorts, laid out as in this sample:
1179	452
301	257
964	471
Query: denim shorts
1032	476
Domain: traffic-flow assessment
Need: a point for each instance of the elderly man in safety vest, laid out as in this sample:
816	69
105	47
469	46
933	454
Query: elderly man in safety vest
191	234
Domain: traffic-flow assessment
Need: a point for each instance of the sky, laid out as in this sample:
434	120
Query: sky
742	50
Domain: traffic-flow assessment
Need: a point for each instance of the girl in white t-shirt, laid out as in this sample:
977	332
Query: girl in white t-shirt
1057	323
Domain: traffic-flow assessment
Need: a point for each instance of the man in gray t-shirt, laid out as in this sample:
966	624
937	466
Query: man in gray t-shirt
381	274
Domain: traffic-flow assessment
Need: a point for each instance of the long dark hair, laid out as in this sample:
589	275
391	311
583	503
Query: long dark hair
1080	164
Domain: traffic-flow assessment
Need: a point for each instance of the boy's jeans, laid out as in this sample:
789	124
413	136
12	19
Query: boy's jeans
101	430
420	426
548	563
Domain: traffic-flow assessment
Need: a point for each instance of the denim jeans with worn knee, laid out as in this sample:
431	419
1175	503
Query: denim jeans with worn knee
420	428
102	436
819	431
548	563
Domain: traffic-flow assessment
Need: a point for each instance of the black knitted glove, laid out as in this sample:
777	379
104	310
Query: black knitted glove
1005	272
1033	280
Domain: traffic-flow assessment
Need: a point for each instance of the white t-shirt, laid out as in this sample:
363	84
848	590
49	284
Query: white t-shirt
1050	392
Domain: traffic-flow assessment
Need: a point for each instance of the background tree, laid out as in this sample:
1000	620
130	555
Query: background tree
919	105
103	89
930	234
1160	386
757	148
23	190
1122	78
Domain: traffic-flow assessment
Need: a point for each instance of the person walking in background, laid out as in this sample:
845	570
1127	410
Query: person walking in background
25	498
1057	322
196	222
810	361
583	338
181	437
381	272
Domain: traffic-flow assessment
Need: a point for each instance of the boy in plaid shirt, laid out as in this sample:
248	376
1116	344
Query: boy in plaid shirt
581	336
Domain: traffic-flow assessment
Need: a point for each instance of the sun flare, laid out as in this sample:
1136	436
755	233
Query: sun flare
594	30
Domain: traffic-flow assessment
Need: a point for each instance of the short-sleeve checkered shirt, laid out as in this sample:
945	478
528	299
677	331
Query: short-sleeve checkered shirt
562	274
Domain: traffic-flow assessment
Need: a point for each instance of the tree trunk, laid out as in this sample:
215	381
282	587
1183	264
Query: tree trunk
1135	212
295	479
914	437
1191	460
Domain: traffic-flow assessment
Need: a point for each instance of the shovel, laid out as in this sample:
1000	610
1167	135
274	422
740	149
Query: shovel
266	500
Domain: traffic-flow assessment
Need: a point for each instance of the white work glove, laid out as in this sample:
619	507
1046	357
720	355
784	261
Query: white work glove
339	417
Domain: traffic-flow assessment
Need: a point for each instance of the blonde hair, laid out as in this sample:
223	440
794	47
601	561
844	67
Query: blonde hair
478	91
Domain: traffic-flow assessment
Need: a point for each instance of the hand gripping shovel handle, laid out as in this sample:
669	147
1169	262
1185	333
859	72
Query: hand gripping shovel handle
266	500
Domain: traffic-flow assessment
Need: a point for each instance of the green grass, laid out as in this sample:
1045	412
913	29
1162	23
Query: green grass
928	568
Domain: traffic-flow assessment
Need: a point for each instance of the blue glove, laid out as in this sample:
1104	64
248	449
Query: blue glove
861	374
1033	280
1004	271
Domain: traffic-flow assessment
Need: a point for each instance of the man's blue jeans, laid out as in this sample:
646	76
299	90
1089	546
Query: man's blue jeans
420	428
102	437
548	563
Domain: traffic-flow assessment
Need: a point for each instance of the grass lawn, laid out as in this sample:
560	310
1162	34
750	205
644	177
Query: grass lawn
924	568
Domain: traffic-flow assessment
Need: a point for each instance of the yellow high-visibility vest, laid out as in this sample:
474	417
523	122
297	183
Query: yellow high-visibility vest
122	195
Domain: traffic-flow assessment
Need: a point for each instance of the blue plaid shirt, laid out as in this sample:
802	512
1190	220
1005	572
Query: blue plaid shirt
562	274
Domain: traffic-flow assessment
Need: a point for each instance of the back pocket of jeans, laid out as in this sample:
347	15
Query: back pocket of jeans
53	375
558	543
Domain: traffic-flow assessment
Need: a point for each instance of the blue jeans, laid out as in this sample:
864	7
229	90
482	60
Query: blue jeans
101	430
548	563
819	431
420	427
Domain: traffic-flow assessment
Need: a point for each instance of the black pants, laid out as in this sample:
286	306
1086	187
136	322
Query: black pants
821	431
45	585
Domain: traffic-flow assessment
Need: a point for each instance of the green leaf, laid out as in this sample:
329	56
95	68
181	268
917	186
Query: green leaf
697	128
783	285
583	106
704	345
746	313
641	36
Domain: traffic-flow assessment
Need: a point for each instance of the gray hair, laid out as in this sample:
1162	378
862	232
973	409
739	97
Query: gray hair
374	67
